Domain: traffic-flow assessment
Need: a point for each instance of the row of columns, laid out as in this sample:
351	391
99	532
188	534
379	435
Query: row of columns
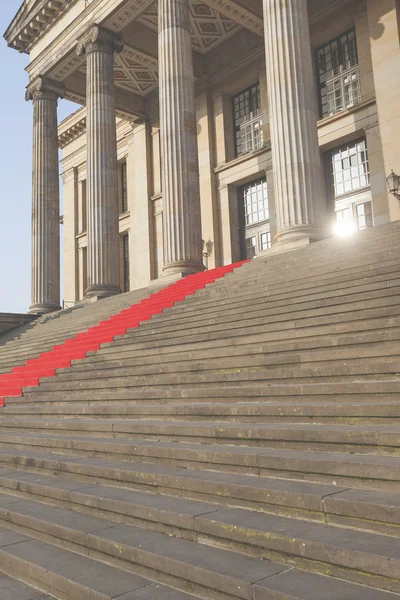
295	151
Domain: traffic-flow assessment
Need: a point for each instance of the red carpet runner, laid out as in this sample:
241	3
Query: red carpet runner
60	357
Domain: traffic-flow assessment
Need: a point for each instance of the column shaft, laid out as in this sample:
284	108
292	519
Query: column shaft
178	127
99	46
299	192
45	197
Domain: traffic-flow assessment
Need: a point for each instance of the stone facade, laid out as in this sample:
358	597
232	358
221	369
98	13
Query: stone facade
206	136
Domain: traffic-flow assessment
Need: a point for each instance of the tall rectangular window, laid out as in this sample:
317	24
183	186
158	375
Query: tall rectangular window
255	196
248	120
338	74
348	168
364	215
251	247
125	259
124	188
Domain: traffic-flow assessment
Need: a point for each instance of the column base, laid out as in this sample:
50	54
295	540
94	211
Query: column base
180	269
294	239
43	309
98	292
303	234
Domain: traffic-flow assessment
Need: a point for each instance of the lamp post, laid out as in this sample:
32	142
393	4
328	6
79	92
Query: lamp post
393	182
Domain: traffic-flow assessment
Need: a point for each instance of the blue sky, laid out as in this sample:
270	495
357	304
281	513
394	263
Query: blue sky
15	171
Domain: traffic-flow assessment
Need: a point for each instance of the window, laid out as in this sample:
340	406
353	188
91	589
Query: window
338	74
343	215
348	168
125	258
364	215
248	120
255	196
251	246
265	241
83	208
124	188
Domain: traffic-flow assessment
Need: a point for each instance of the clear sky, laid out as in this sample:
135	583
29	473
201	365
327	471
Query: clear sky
15	171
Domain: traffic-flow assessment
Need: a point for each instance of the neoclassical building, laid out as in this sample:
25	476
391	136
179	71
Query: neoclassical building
209	132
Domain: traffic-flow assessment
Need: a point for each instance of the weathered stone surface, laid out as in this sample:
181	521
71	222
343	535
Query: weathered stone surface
293	121
178	131
45	196
99	46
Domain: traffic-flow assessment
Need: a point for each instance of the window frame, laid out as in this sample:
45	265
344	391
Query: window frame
124	186
265	209
125	261
253	120
340	77
329	173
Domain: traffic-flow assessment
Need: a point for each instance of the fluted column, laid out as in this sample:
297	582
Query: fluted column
298	187
44	94
178	131
99	46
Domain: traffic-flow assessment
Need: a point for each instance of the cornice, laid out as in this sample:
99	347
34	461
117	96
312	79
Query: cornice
72	133
26	29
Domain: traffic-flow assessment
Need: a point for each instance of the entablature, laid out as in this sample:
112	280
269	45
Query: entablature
33	20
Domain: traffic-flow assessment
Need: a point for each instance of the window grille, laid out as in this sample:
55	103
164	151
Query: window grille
251	246
348	168
364	215
255	197
338	74
124	188
125	257
248	120
265	241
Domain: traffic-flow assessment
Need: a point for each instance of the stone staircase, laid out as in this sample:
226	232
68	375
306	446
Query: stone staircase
243	444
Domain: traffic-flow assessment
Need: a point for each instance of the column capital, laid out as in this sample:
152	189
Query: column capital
98	39
42	87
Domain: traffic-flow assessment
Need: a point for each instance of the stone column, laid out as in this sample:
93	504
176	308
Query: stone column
298	182
45	196
178	126
99	46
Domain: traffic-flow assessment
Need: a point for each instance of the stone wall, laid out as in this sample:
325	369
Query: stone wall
12	320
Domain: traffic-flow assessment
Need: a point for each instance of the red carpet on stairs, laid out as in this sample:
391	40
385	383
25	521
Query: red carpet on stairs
59	357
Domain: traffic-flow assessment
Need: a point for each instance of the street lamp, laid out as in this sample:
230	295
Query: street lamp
393	182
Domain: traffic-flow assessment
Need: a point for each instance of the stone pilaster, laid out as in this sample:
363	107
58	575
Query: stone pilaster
178	127
44	94
298	183
99	46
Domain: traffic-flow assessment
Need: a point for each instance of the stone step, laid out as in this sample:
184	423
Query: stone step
155	467
203	394
37	343
244	357
344	384
188	494
288	330
265	324
117	347
316	291
12	589
53	337
252	364
307	310
282	354
67	575
360	557
379	413
329	335
112	436
354	286
307	316
204	570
